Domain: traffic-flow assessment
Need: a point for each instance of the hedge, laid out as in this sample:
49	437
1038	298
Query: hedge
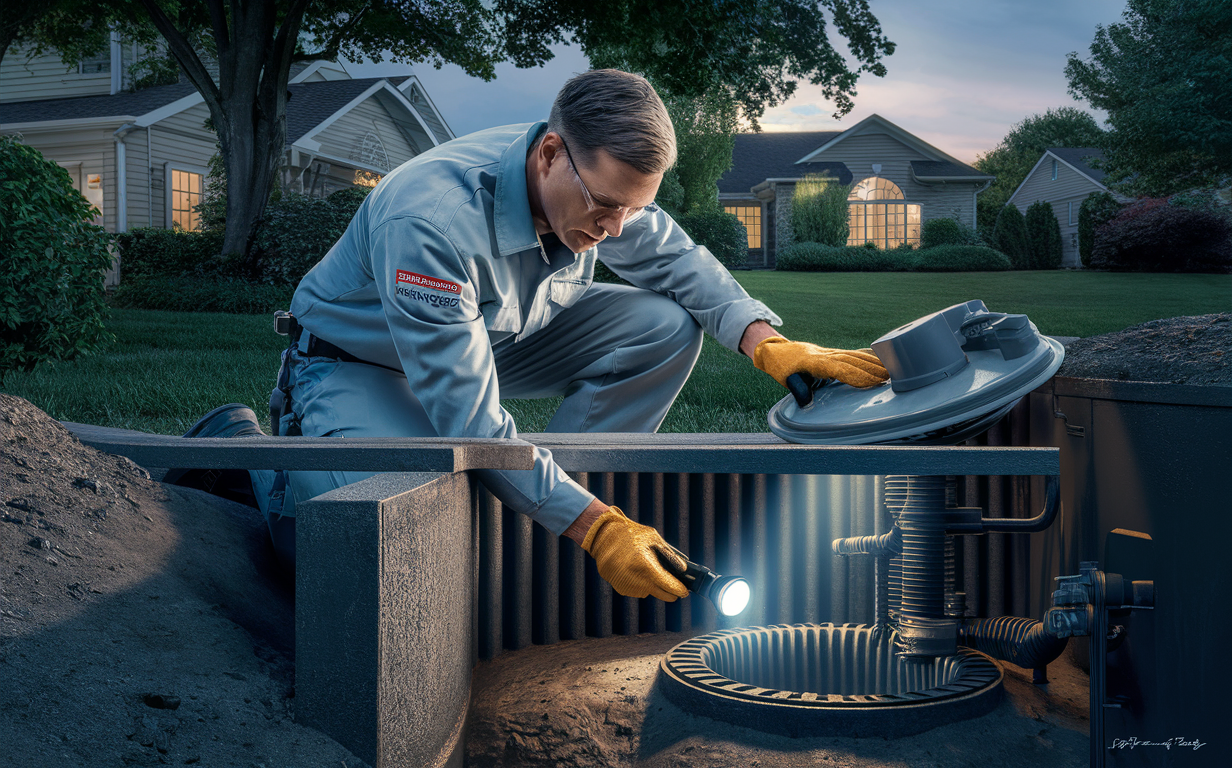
148	252
1043	236
52	303
1096	210
815	257
1152	236
944	231
1009	236
722	232
197	294
961	258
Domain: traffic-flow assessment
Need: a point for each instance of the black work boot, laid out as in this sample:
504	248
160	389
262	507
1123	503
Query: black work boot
230	420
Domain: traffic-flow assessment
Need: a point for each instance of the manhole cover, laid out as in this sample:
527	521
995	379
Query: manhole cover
825	680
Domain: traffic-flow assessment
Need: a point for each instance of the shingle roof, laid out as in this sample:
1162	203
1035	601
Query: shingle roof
945	170
311	103
120	105
1077	157
761	156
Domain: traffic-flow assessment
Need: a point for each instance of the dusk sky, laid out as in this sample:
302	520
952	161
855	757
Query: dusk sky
963	72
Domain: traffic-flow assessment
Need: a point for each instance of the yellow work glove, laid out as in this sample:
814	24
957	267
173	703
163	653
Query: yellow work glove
627	555
781	357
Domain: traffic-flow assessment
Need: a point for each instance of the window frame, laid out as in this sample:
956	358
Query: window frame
891	214
168	192
1055	165
757	206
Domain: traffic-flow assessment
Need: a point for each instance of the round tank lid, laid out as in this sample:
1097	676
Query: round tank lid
952	374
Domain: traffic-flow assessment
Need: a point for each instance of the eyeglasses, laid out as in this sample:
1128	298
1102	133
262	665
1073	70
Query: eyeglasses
592	205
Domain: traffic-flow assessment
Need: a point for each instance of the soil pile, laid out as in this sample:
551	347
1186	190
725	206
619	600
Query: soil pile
140	624
1179	350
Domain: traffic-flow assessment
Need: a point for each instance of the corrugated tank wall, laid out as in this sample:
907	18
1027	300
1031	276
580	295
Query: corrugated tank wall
775	530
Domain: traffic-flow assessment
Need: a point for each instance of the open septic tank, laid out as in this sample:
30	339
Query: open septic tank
912	550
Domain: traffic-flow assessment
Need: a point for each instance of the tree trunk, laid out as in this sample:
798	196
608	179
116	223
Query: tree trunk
252	132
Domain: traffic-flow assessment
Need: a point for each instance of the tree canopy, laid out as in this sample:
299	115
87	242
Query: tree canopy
1163	76
1012	159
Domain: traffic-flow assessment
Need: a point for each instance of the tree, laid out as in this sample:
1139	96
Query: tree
1043	236
759	49
1012	159
1162	75
76	29
1097	210
1010	236
706	128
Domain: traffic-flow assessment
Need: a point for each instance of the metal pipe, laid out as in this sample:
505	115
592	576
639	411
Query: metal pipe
1024	642
1031	525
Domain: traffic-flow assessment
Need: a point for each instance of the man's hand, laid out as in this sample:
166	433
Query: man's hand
627	554
780	358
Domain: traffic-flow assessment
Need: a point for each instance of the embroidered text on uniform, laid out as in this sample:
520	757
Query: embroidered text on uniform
424	281
427	298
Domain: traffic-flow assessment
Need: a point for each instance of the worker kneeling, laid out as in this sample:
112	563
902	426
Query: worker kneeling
467	276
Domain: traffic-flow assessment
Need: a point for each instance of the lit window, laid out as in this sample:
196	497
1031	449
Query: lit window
185	197
888	224
367	179
750	217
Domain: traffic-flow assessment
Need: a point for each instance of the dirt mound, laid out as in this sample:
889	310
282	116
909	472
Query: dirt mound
140	624
1179	350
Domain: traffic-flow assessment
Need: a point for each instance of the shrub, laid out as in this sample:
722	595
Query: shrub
815	257
299	230
722	232
945	231
1152	236
961	258
195	294
1097	210
819	211
1010	236
1043	236
52	302
149	252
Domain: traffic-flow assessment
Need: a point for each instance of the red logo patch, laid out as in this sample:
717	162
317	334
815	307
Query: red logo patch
423	281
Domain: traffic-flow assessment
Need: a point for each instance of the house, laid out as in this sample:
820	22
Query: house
900	181
142	156
1063	178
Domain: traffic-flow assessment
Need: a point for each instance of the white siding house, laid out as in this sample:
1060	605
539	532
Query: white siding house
1063	178
141	157
900	181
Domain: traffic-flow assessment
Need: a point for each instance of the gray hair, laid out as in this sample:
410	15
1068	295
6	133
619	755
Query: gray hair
618	112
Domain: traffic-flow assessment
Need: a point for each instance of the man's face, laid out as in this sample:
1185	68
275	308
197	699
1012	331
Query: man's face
584	204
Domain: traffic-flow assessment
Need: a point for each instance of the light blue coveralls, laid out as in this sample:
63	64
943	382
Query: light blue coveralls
441	277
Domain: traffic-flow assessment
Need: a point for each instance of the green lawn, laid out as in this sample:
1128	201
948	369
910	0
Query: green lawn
167	369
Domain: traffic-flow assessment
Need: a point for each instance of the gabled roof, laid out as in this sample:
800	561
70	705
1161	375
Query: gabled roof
939	170
1077	157
119	106
910	139
313	103
760	156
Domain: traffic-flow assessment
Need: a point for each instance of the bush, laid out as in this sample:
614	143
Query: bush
299	230
1097	210
1009	236
52	301
819	211
722	232
961	258
149	252
1152	236
815	257
1043	237
196	294
944	231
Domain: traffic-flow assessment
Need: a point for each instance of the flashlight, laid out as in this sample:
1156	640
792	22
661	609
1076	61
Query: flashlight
729	594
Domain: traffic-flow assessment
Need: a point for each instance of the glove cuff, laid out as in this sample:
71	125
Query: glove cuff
612	513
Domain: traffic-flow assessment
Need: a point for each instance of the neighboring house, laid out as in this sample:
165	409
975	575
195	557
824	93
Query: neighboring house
1063	178
900	181
141	157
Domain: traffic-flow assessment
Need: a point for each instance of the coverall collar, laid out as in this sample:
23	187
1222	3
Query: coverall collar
515	228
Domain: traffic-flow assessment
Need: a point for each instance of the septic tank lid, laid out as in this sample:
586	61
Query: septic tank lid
953	374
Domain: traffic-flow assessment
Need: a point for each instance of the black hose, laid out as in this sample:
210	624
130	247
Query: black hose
1025	642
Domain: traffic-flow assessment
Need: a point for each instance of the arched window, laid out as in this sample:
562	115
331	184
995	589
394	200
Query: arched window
875	217
368	149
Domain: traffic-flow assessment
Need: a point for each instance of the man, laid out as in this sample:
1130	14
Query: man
466	276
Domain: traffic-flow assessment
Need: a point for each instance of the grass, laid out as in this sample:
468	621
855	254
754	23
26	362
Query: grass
169	368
